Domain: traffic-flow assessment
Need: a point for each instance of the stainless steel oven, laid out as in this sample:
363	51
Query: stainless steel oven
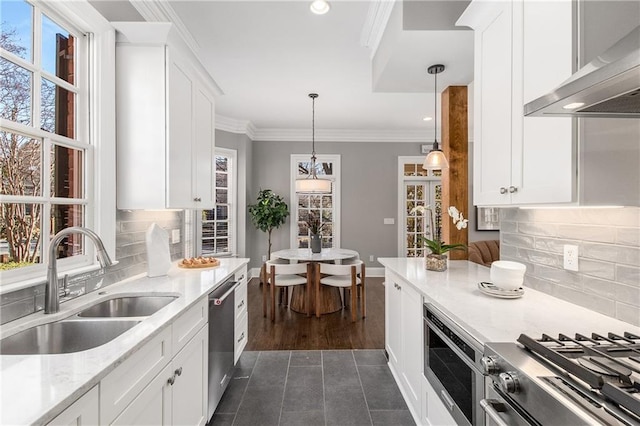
452	366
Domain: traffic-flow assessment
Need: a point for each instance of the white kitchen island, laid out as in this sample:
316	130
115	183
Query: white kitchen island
34	389
455	293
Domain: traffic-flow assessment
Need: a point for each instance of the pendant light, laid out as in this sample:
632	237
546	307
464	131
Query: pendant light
312	184
435	160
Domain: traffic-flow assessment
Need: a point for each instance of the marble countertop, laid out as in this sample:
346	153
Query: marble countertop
35	388
490	319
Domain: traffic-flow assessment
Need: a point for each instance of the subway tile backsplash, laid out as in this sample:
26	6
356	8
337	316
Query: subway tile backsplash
131	254
608	241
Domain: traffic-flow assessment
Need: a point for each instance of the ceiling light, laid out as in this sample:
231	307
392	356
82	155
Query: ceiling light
435	160
427	118
312	184
319	7
573	105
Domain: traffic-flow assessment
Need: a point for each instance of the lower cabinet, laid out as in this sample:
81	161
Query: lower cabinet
403	327
241	333
85	411
178	394
434	411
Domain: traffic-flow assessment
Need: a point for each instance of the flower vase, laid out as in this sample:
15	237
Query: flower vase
436	262
316	243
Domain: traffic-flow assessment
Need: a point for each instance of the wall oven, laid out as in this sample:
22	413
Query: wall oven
452	365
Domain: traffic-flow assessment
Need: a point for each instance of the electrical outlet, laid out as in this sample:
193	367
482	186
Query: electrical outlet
264	257
175	236
371	258
570	257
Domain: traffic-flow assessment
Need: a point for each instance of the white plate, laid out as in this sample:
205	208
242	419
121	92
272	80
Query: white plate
492	290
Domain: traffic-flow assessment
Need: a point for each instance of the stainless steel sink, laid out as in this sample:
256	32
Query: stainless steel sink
132	306
63	337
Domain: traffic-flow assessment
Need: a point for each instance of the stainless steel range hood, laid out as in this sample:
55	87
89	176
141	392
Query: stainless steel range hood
609	86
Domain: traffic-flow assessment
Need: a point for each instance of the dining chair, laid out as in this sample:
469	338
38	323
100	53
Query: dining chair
348	277
284	276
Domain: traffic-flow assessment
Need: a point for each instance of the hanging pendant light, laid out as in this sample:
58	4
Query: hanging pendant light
436	159
312	184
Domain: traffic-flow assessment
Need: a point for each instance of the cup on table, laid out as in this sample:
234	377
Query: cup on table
507	275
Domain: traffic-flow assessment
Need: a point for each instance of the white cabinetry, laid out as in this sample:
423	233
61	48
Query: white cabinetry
434	411
154	386
165	114
522	51
241	314
403	330
85	411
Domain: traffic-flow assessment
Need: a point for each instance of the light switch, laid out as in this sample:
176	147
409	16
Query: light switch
389	221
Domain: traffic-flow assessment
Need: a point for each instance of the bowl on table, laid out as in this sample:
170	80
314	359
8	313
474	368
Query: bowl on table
507	275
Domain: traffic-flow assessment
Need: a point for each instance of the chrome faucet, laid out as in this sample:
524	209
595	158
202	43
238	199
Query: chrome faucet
51	293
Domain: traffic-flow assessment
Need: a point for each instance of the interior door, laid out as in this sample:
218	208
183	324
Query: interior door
420	193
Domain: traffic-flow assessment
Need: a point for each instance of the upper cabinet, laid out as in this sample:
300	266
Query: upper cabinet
522	50
165	121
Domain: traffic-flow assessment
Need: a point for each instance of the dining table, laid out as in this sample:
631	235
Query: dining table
330	300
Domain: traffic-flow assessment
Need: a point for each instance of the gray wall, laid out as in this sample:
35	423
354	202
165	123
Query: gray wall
369	178
609	255
131	253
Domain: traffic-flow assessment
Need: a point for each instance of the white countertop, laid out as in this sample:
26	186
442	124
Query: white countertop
35	388
325	255
490	319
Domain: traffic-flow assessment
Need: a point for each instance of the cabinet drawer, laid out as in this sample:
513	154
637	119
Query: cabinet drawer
240	300
241	274
241	337
124	383
188	324
82	412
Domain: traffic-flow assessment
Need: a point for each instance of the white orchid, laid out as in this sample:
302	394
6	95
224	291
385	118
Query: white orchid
458	218
438	247
419	209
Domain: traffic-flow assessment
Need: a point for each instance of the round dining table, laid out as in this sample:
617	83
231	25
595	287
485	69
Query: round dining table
330	300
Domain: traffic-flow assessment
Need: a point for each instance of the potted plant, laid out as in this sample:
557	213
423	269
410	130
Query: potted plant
436	260
268	213
315	227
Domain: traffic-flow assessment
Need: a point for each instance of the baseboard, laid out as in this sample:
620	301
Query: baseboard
371	272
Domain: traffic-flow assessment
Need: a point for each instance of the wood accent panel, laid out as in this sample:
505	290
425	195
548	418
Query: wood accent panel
455	180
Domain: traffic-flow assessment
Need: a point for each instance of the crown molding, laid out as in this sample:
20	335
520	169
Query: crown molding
161	10
375	24
232	125
341	135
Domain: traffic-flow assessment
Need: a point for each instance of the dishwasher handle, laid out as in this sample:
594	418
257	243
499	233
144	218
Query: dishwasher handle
218	295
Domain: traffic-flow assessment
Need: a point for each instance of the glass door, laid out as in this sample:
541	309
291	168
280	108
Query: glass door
426	194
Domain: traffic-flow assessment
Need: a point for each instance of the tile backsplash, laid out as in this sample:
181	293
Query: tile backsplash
131	254
608	240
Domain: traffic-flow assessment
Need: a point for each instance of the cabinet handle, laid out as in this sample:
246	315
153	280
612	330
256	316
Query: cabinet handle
513	189
198	199
172	380
241	337
241	277
241	304
503	190
178	372
447	399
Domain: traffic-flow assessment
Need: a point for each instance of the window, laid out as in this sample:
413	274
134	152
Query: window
417	187
218	226
323	206
46	158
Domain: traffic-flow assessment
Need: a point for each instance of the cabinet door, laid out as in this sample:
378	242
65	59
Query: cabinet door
412	361
543	165
152	406
204	137
393	306
180	144
82	412
189	390
492	128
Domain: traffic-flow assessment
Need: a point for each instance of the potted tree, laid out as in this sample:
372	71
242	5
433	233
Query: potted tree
269	213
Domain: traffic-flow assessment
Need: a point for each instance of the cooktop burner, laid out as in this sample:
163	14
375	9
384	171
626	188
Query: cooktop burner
607	364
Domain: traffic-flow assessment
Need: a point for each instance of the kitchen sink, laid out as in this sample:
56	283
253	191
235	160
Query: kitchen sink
131	306
64	336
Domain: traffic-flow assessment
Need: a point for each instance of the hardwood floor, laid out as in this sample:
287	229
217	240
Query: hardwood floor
293	331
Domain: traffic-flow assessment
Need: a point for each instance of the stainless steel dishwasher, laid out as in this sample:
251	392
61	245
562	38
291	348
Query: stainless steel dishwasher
221	344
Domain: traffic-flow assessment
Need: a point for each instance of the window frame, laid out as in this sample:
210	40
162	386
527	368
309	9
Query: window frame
232	200
95	92
335	187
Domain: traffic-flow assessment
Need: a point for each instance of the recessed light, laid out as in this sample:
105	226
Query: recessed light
573	105
427	118
319	7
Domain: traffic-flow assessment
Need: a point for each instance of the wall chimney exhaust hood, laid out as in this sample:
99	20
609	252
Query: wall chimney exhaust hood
608	86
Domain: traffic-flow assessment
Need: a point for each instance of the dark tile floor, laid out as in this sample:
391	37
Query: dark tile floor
343	387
